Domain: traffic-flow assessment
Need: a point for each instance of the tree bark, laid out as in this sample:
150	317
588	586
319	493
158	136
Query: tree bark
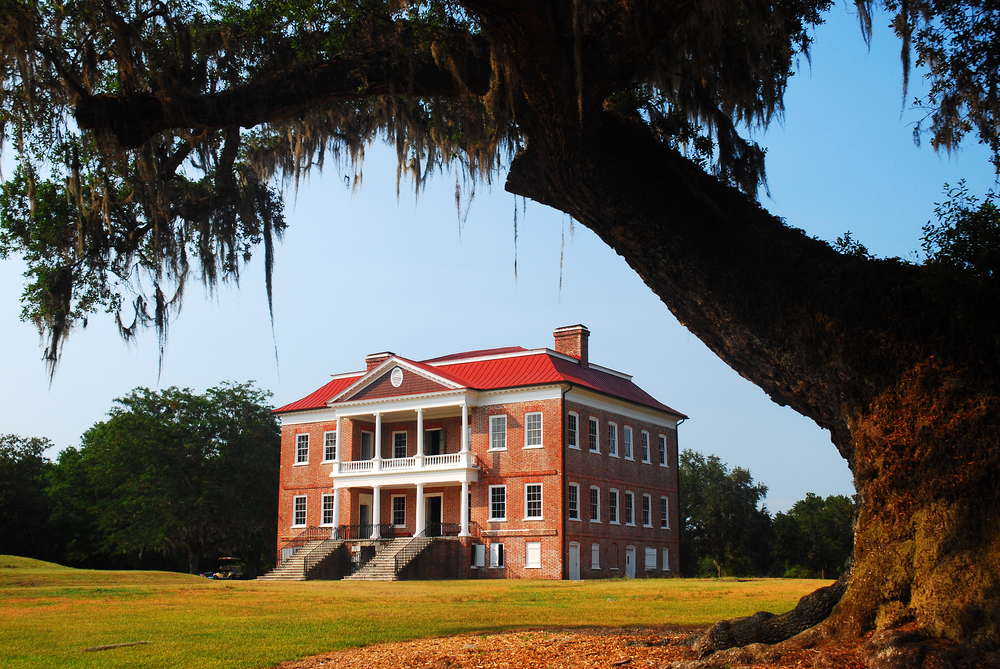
899	362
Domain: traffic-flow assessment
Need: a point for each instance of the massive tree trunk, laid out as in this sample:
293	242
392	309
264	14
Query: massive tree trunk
899	362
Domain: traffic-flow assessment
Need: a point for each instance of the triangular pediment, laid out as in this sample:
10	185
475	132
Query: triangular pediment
396	378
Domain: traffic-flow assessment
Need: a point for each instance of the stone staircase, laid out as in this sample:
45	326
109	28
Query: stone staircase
382	567
298	566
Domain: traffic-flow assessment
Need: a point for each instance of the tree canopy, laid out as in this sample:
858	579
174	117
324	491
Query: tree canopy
815	538
23	504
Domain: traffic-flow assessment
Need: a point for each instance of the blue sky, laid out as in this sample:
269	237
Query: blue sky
366	272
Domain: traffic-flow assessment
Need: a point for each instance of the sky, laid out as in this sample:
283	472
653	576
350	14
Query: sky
367	271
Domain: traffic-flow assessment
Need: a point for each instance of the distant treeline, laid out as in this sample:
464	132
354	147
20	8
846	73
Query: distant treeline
727	531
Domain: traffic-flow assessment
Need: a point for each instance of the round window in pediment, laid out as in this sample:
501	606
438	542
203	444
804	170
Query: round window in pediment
396	377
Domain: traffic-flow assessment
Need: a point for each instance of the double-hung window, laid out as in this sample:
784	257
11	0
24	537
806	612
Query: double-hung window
644	439
399	510
299	507
628	443
399	444
595	446
595	504
663	451
664	513
629	509
328	518
301	449
613	439
329	446
572	430
533	501
573	502
650	558
498	502
533	430
613	506
498	433
647	520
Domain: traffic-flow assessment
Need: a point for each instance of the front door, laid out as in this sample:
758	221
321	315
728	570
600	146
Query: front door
630	562
574	561
433	442
432	516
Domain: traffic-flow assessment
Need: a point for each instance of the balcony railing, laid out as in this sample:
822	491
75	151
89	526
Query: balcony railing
413	463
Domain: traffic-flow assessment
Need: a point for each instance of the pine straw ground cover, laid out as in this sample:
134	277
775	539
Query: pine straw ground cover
50	615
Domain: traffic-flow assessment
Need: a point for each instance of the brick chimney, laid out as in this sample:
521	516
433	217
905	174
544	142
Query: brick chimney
572	341
376	359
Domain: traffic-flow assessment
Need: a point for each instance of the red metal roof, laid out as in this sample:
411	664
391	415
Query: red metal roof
505	371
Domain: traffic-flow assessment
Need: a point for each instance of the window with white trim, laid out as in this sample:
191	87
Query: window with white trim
498	433
301	449
595	504
399	510
533	555
329	446
595	555
666	559
533	501
664	513
478	556
650	558
592	435
628	443
647	512
328	510
367	446
533	430
498	502
573	502
644	440
613	439
299	511
613	506
572	430
496	556
663	451
399	444
629	508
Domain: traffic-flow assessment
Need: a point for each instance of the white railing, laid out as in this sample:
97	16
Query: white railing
356	466
447	459
399	463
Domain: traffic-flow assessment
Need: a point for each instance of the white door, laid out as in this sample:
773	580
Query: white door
630	561
574	561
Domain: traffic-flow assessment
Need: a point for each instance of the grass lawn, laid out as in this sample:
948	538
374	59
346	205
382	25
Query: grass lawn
49	614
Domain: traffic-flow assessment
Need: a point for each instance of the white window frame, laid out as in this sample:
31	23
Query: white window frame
497	556
650	564
573	430
613	504
324	508
295	511
406	445
392	510
498	434
664	456
327	437
628	443
595	518
541	430
299	460
613	439
492	518
647	510
595	555
644	446
666	560
478	556
629	507
594	434
529	563
664	513
540	515
573	505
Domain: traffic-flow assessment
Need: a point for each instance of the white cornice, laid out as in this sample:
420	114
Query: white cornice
377	372
623	407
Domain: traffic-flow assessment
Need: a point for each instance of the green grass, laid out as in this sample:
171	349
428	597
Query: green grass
49	614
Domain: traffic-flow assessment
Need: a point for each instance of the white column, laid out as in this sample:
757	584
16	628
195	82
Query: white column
336	503
420	526
465	427
376	509
420	443
378	442
340	441
465	509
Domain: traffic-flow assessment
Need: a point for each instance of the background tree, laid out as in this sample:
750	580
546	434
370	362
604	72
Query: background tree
725	529
139	117
176	472
815	538
24	508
